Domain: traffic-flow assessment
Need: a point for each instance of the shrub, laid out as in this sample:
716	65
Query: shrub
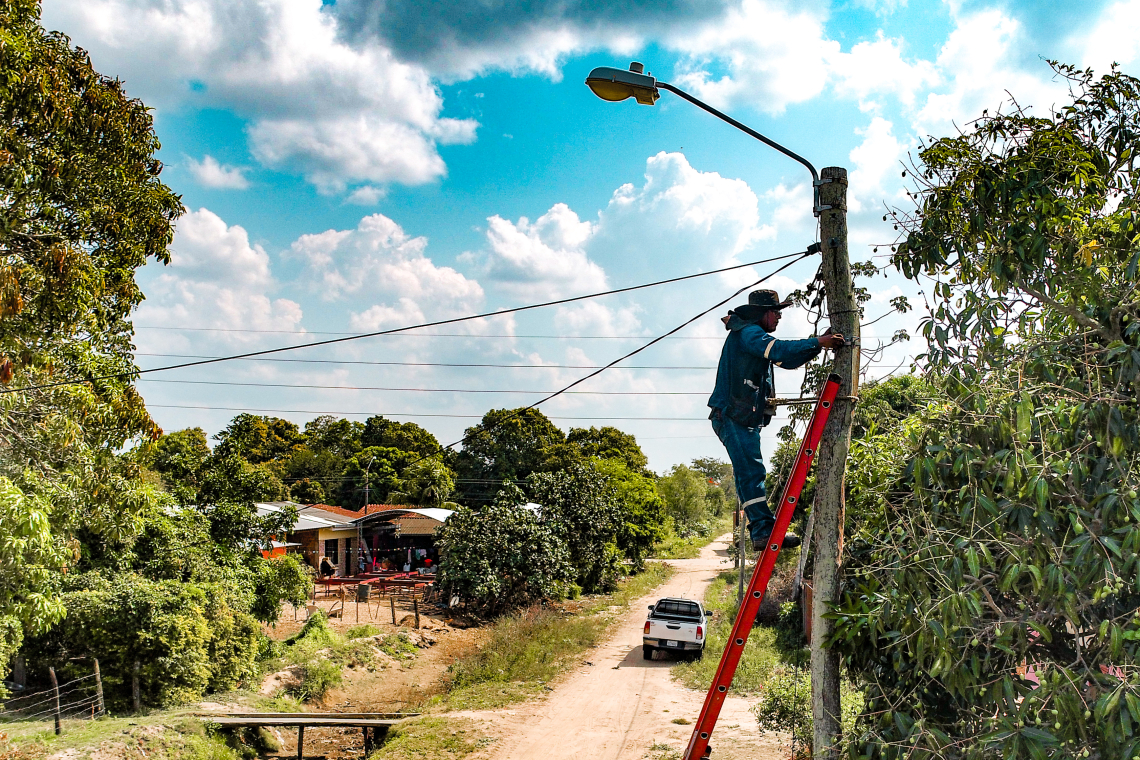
361	631
185	637
785	706
501	557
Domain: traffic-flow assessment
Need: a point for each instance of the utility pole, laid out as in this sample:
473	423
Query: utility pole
843	314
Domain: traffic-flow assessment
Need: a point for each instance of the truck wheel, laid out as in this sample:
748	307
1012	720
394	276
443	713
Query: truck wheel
647	652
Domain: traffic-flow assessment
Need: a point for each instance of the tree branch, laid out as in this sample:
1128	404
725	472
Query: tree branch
1084	320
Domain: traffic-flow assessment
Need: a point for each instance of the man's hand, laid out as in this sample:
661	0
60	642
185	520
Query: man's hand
830	339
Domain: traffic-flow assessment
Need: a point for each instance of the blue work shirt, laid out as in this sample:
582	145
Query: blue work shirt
750	353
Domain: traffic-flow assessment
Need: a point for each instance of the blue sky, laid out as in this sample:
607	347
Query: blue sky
362	165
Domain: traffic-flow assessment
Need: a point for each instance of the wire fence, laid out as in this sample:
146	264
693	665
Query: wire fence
77	699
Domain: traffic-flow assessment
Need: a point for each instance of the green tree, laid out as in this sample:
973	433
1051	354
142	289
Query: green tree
331	434
610	443
305	491
581	505
502	556
1000	523
406	436
82	208
377	467
426	483
684	491
507	445
258	439
641	510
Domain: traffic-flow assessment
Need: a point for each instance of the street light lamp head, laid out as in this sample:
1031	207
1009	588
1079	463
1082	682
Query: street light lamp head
618	84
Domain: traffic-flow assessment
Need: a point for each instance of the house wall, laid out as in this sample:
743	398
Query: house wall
309	548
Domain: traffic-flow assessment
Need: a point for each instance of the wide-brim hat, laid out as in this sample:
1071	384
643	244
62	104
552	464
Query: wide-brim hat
760	301
767	299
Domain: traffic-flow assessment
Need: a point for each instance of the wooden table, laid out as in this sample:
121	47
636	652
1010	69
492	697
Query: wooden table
378	722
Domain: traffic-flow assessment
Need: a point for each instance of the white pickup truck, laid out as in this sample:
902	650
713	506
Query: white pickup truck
675	625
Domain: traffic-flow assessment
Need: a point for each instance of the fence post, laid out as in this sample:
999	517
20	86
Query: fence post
392	601
136	694
55	688
100	708
416	609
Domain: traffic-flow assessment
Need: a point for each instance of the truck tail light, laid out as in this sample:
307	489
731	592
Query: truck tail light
700	632
647	626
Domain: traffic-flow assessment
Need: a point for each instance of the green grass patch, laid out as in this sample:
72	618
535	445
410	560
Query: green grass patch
768	648
157	736
434	737
320	654
675	547
524	651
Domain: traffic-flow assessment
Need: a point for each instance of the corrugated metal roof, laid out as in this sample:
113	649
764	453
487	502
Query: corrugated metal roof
308	518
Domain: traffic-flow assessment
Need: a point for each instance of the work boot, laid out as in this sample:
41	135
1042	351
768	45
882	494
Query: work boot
791	541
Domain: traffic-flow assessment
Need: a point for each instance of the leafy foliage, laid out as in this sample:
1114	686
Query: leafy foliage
502	556
582	507
82	208
507	445
992	589
185	637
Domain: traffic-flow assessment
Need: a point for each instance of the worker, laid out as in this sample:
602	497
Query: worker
745	381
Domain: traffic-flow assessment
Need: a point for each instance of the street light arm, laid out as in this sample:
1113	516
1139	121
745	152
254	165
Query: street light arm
748	130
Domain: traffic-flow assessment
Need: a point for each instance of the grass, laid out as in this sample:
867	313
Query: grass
434	737
156	736
523	652
321	654
768	647
675	547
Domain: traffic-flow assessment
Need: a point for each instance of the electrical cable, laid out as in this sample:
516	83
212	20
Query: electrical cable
429	364
264	352
419	390
634	352
397	414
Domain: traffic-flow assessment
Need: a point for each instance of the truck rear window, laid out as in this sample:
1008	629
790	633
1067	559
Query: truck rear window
675	610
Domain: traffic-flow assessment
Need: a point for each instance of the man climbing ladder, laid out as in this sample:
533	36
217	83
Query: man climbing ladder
745	380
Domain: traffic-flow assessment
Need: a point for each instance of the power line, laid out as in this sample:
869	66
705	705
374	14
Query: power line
426	335
391	414
428	364
814	248
249	354
421	390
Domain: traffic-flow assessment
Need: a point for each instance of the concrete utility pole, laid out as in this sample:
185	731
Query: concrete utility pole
843	313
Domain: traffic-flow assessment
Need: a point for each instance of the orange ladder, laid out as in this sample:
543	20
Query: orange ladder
699	743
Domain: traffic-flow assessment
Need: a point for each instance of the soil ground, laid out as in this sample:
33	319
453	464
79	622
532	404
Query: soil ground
619	706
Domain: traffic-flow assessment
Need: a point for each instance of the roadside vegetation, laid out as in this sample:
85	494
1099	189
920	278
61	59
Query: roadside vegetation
524	652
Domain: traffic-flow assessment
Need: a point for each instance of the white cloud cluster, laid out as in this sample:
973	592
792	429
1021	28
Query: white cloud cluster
216	279
380	262
340	114
209	173
542	260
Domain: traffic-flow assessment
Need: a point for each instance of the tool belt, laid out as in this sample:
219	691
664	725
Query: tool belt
750	408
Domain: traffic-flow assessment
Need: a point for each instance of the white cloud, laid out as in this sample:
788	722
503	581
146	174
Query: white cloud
878	68
541	260
382	263
216	278
1114	39
366	195
772	56
978	64
340	114
873	161
209	173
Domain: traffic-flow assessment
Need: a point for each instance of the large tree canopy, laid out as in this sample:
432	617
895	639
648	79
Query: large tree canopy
990	606
81	208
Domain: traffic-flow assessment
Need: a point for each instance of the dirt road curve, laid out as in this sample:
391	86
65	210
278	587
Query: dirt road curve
622	705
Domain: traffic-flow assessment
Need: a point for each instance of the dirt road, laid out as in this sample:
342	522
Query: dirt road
622	707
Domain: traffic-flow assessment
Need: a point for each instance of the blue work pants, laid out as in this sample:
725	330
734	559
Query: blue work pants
743	447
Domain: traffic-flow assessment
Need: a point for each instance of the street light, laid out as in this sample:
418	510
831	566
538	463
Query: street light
615	85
